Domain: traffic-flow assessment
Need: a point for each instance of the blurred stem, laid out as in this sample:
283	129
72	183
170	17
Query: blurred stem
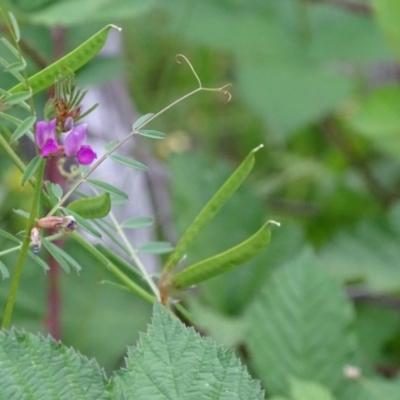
24	249
132	286
132	253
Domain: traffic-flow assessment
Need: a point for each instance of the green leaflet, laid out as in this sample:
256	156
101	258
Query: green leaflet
67	64
211	209
92	207
225	261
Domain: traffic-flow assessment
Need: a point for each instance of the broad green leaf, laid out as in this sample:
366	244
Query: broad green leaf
173	362
41	368
31	168
211	209
290	96
301	325
4	271
111	144
152	134
137	222
17	97
67	64
92	207
368	254
54	251
141	121
8	236
155	248
304	390
107	188
86	226
225	261
130	163
378	119
388	14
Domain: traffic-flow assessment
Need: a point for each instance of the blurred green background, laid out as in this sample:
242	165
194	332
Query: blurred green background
317	82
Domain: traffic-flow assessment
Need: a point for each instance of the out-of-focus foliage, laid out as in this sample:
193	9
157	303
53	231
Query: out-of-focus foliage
318	83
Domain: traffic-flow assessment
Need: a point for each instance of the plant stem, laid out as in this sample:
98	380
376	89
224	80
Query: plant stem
24	249
132	286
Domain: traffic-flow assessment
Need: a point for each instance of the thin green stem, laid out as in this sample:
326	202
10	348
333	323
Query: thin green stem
133	254
24	249
132	286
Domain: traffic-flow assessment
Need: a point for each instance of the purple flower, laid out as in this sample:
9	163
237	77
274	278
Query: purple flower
74	147
45	136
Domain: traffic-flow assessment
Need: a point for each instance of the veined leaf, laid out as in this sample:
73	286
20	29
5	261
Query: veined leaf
92	207
300	320
44	369
137	222
152	134
4	271
31	168
225	261
211	209
54	251
155	248
107	188
141	121
67	64
182	365
130	163
86	226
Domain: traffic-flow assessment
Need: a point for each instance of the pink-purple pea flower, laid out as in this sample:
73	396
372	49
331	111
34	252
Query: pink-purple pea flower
46	141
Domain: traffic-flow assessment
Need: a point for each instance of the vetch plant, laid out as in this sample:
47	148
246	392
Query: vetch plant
185	366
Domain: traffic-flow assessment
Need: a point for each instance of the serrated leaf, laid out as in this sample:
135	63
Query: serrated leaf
57	255
130	163
107	188
152	134
44	370
211	209
31	168
92	207
111	144
86	226
8	236
300	326
4	271
225	261
141	120
137	222
155	248
173	362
